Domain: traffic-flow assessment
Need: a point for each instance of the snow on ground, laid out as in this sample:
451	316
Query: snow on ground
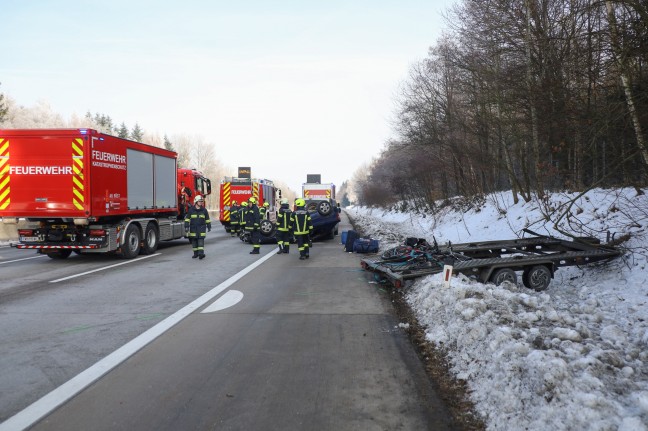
573	357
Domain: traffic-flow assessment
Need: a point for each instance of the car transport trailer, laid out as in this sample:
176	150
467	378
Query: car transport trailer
495	261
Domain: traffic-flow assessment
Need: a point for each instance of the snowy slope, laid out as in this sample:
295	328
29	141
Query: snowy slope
574	357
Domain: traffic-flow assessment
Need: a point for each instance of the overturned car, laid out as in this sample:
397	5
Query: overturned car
325	214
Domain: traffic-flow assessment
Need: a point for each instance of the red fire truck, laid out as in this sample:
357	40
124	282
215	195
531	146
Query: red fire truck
241	189
90	192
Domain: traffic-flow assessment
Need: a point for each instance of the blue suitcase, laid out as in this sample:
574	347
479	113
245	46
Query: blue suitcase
365	245
351	236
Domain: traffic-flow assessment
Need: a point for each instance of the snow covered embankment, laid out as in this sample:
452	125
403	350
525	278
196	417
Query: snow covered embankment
572	357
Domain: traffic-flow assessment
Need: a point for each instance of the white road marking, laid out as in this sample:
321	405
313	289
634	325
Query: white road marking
104	268
39	409
229	298
24	258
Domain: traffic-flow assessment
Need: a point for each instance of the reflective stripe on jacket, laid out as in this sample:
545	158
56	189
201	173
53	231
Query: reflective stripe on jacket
251	217
301	222
235	214
283	219
196	221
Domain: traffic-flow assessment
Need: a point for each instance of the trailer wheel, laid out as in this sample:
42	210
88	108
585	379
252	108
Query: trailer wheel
267	228
324	208
503	274
537	277
132	239
59	254
151	239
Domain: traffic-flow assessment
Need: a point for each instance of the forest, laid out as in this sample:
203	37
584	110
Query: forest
526	96
531	96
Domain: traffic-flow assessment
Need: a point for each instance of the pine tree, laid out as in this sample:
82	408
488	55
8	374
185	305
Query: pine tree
108	124
137	133
168	144
122	132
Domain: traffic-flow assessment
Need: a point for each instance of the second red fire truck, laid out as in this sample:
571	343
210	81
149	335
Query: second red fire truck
241	189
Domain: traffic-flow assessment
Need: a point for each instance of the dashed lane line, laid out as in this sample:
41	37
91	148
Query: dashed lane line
104	268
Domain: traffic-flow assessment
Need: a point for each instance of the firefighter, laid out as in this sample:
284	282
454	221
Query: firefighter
184	197
197	224
263	211
284	227
242	210
252	220
234	218
302	227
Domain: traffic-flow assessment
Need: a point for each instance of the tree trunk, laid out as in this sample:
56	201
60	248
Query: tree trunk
531	88
625	82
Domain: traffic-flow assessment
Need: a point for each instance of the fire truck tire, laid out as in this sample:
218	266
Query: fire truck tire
503	274
151	239
324	208
132	240
537	277
267	228
59	254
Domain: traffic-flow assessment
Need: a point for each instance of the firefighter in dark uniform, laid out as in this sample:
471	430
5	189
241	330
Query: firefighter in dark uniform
197	224
242	210
263	211
235	215
252	221
302	226
284	228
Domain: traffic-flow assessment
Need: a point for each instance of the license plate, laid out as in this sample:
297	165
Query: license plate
29	238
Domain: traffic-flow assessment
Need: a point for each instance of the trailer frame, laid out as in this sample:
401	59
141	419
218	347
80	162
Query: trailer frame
496	261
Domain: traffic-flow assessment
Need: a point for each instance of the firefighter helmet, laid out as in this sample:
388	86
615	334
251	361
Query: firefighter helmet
198	198
284	201
300	202
243	204
252	200
234	203
266	204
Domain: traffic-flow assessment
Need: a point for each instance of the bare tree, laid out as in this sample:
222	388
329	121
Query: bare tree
4	109
622	60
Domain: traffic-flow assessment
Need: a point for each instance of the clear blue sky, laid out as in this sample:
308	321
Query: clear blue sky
286	87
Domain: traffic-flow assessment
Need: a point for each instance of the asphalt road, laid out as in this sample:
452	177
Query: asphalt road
173	343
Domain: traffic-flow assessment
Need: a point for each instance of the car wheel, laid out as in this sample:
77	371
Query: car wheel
324	208
267	228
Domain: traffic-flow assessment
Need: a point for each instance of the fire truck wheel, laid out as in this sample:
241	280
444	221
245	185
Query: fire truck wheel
503	274
132	239
324	208
267	228
151	239
59	254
